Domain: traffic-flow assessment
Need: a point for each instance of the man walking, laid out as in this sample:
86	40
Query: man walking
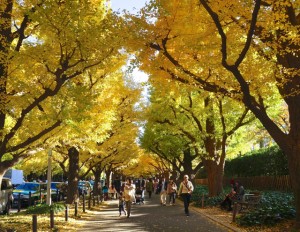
185	190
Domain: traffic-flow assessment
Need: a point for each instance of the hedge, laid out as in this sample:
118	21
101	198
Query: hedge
263	162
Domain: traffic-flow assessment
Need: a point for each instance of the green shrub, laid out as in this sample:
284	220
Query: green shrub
275	206
45	209
263	162
201	190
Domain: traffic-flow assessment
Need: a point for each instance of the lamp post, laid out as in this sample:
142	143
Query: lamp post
48	201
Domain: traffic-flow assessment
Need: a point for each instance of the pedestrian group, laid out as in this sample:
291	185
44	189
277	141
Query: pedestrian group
133	193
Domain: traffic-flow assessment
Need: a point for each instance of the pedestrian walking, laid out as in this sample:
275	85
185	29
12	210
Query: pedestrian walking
117	184
129	191
140	183
171	191
163	192
112	192
155	186
121	204
105	192
185	190
149	187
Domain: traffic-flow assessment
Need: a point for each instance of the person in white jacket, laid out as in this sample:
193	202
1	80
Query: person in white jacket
185	190
129	194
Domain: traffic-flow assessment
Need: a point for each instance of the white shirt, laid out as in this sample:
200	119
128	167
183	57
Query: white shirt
186	187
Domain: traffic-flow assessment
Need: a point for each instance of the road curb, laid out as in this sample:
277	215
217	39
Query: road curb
215	220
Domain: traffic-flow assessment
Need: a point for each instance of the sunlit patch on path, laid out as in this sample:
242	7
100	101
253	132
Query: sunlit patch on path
150	216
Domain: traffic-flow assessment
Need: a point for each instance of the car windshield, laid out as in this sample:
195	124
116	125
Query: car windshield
28	186
54	185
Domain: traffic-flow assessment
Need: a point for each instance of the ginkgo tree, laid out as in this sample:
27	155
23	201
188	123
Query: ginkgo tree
201	125
46	49
119	148
247	50
109	110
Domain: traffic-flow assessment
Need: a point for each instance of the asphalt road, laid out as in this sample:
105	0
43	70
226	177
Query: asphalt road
151	217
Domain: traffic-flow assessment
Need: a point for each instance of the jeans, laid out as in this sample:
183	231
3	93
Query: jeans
186	197
121	208
172	197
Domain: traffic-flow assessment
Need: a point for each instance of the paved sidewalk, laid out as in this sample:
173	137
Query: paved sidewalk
150	217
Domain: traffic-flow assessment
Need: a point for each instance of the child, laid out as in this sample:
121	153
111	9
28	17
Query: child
105	192
121	204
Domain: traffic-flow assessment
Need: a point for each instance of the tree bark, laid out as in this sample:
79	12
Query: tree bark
97	173
294	168
73	175
108	179
187	164
214	177
6	40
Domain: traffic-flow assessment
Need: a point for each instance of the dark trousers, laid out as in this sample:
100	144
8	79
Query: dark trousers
186	197
149	194
128	207
121	208
226	203
172	197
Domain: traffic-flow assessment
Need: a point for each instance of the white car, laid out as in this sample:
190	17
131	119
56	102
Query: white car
6	196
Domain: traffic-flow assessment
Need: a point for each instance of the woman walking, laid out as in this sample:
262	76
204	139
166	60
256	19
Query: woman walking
171	191
129	194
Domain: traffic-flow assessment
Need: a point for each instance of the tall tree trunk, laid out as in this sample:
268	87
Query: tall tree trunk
5	43
293	155
174	172
97	173
212	164
108	179
73	175
187	163
214	176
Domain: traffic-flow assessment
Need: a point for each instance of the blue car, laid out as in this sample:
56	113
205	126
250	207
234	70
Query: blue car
55	187
37	191
84	187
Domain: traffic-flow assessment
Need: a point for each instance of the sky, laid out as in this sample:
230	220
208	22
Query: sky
131	5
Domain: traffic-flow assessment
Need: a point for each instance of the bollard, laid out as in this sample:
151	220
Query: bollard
234	211
19	203
66	213
83	203
76	209
34	223
203	200
57	195
41	199
51	218
89	202
29	199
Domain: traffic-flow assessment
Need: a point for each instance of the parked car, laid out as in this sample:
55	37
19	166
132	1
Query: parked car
16	176
38	191
56	190
55	186
84	187
6	196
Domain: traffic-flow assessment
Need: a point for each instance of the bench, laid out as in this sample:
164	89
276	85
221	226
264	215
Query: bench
250	201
